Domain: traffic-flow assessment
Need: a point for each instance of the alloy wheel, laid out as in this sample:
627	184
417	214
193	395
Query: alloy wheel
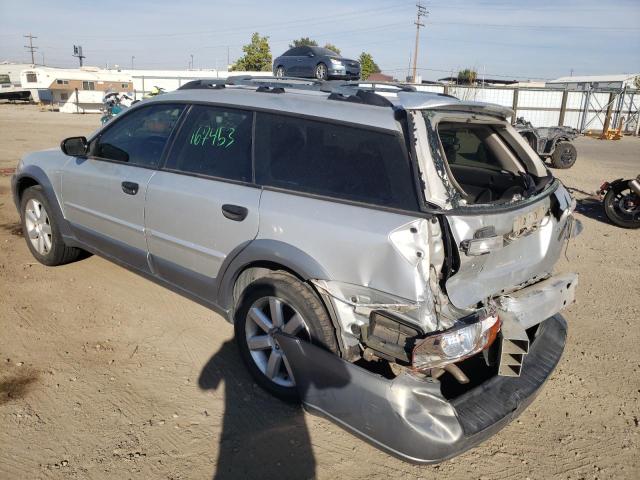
38	226
266	317
321	72
280	72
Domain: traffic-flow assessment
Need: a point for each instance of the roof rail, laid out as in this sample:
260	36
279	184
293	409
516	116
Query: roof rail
362	96
379	86
362	92
203	83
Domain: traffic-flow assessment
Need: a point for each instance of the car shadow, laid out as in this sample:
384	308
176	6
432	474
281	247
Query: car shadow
261	437
589	205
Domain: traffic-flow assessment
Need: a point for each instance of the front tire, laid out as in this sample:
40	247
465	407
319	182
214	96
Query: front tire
40	231
279	302
564	155
322	73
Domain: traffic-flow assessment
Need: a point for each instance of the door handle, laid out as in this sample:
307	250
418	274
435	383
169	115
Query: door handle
234	212
130	188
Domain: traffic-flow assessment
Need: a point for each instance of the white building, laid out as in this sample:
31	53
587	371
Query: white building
615	82
74	90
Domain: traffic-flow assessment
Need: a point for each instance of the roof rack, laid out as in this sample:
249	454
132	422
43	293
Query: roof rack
380	86
361	91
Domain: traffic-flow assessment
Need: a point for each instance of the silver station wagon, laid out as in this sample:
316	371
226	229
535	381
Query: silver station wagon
386	255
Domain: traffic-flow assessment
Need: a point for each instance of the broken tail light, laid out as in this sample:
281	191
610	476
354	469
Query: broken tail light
471	335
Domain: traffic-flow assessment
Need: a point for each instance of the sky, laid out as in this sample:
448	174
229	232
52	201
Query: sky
535	39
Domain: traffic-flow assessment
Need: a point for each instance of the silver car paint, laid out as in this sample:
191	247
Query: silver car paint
93	199
349	244
184	223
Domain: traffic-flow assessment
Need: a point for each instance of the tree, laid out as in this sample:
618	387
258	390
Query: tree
332	47
303	42
636	82
367	65
467	76
257	55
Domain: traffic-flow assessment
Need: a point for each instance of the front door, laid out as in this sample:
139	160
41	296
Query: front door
202	205
104	194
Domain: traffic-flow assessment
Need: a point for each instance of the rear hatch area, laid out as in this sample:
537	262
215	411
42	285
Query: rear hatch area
508	218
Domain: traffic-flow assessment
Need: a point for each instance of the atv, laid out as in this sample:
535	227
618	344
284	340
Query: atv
550	142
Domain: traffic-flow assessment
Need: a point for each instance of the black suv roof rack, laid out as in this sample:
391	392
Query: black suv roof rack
361	91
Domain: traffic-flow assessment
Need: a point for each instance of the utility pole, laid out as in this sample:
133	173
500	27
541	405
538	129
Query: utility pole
422	12
191	64
77	52
228	63
132	59
31	48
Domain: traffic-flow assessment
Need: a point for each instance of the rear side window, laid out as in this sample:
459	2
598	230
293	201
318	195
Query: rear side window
214	141
333	160
139	137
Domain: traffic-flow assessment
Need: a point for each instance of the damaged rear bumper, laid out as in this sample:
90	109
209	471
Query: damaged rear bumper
408	416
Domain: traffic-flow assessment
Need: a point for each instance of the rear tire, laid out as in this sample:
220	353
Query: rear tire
41	232
280	72
301	314
564	155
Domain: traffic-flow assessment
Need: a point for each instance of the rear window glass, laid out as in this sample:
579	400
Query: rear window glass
214	141
333	160
466	144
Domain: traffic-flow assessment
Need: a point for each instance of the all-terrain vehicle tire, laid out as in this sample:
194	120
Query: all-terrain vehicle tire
40	231
564	155
269	304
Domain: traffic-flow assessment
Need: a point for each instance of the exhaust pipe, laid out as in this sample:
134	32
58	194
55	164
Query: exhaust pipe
635	185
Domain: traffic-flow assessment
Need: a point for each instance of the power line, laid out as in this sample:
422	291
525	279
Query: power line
30	47
315	20
536	27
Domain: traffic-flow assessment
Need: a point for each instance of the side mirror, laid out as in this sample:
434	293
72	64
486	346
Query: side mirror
75	146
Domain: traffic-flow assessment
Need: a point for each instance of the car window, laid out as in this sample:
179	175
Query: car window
139	137
333	160
323	51
295	52
467	145
214	141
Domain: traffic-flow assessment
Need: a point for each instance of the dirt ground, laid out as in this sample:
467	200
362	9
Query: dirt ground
105	375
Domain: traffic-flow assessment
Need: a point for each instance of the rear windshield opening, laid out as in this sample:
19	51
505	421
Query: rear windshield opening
482	164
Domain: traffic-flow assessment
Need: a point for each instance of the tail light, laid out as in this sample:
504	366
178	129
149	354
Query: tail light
472	335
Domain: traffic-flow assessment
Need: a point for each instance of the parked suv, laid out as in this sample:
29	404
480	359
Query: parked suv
385	255
315	62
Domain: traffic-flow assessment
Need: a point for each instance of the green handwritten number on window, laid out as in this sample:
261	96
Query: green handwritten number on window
231	139
216	138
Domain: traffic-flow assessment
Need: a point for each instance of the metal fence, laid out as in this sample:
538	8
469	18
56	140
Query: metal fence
544	107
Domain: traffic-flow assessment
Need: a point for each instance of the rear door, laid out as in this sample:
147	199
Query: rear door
202	204
295	61
103	194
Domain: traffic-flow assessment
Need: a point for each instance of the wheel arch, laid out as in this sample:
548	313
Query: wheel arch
258	257
30	176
